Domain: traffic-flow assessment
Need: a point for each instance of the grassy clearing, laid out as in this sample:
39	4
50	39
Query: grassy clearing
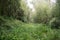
12	29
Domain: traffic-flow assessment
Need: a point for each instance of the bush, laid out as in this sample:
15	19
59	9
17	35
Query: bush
55	23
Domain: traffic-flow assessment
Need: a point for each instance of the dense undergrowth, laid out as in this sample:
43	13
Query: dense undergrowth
12	29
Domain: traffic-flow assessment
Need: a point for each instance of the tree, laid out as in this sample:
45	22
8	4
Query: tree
11	8
56	15
43	11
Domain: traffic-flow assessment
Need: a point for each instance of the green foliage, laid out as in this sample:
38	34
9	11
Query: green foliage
56	10
11	8
27	11
54	23
43	12
12	29
42	16
56	14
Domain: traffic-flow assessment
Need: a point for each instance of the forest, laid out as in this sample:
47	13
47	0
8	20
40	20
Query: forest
29	19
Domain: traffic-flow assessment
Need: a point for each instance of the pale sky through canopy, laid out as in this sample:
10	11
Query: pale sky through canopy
31	5
54	1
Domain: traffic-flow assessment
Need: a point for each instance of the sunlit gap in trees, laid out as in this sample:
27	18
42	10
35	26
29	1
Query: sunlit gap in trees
30	5
54	1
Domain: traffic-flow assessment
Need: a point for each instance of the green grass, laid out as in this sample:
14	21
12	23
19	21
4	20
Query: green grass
12	29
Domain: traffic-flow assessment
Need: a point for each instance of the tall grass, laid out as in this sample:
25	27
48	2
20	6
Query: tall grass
12	29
